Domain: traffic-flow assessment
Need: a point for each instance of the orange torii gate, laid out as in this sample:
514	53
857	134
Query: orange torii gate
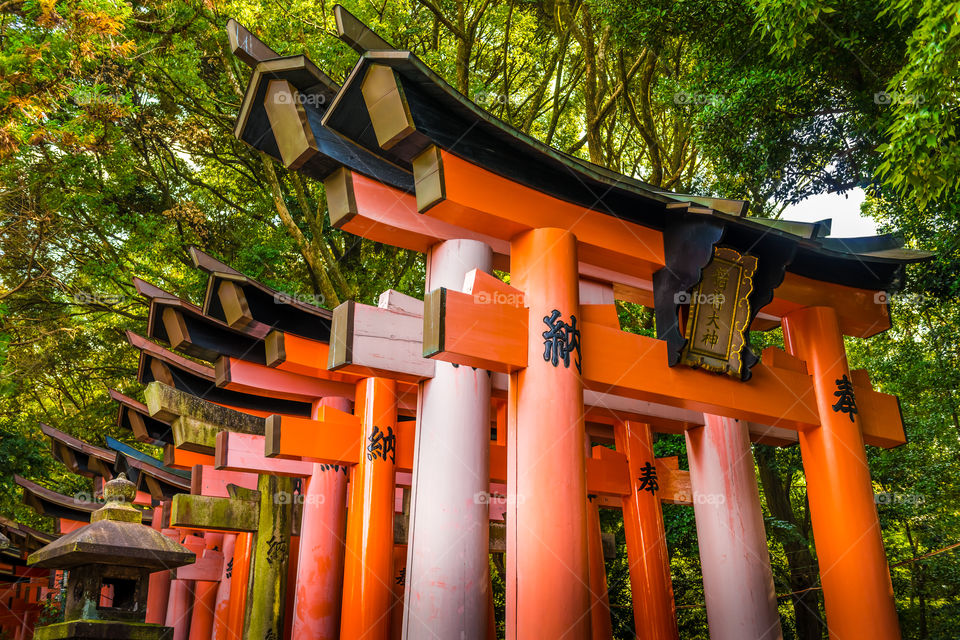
408	161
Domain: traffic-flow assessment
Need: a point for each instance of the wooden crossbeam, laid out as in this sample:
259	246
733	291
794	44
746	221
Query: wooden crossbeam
195	422
619	362
336	438
214	513
615	362
373	341
372	210
257	379
209	481
245	452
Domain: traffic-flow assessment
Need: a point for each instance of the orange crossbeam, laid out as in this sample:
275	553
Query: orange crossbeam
459	329
385	214
341	443
493	336
256	379
288	352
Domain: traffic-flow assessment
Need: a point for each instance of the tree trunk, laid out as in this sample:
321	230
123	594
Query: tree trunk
590	97
310	254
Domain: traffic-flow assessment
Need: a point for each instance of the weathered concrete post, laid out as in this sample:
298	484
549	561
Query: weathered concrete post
447	561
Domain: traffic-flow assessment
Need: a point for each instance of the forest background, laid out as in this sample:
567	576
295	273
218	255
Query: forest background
117	153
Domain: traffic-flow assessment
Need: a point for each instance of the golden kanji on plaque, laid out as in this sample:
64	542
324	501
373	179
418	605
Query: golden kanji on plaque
719	313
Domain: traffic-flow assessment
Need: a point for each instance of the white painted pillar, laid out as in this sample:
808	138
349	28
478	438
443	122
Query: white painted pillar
737	580
448	540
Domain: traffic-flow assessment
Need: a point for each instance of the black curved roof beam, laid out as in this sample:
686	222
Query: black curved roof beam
430	112
150	474
162	365
134	416
80	457
188	330
241	301
50	503
281	115
25	538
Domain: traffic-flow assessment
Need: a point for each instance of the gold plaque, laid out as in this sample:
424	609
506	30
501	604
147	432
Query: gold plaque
719	313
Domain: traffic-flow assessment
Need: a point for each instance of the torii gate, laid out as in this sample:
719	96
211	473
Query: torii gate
553	220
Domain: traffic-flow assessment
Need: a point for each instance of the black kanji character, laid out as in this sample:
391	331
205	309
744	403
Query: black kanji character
560	340
847	403
382	444
648	478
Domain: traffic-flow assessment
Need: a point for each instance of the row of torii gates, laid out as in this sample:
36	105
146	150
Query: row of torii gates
351	472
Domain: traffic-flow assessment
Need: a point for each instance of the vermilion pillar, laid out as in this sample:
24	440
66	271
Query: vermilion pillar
368	563
399	582
654	612
180	603
320	569
178	609
222	607
204	607
737	580
447	565
857	591
158	587
548	594
601	625
242	556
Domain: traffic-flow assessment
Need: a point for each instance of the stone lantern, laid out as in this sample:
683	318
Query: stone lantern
110	561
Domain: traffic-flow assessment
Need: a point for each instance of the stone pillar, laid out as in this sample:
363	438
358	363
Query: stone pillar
447	561
737	580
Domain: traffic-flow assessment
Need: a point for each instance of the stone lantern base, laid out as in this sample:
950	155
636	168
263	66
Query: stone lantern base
103	630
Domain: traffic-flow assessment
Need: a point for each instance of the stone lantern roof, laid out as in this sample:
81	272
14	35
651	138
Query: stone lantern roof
115	537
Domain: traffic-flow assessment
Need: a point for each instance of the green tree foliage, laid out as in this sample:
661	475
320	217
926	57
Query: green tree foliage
117	153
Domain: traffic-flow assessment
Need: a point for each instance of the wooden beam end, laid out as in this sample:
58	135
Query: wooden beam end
271	441
276	353
434	309
428	178
288	120
236	311
222	371
387	106
176	328
341	199
341	336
